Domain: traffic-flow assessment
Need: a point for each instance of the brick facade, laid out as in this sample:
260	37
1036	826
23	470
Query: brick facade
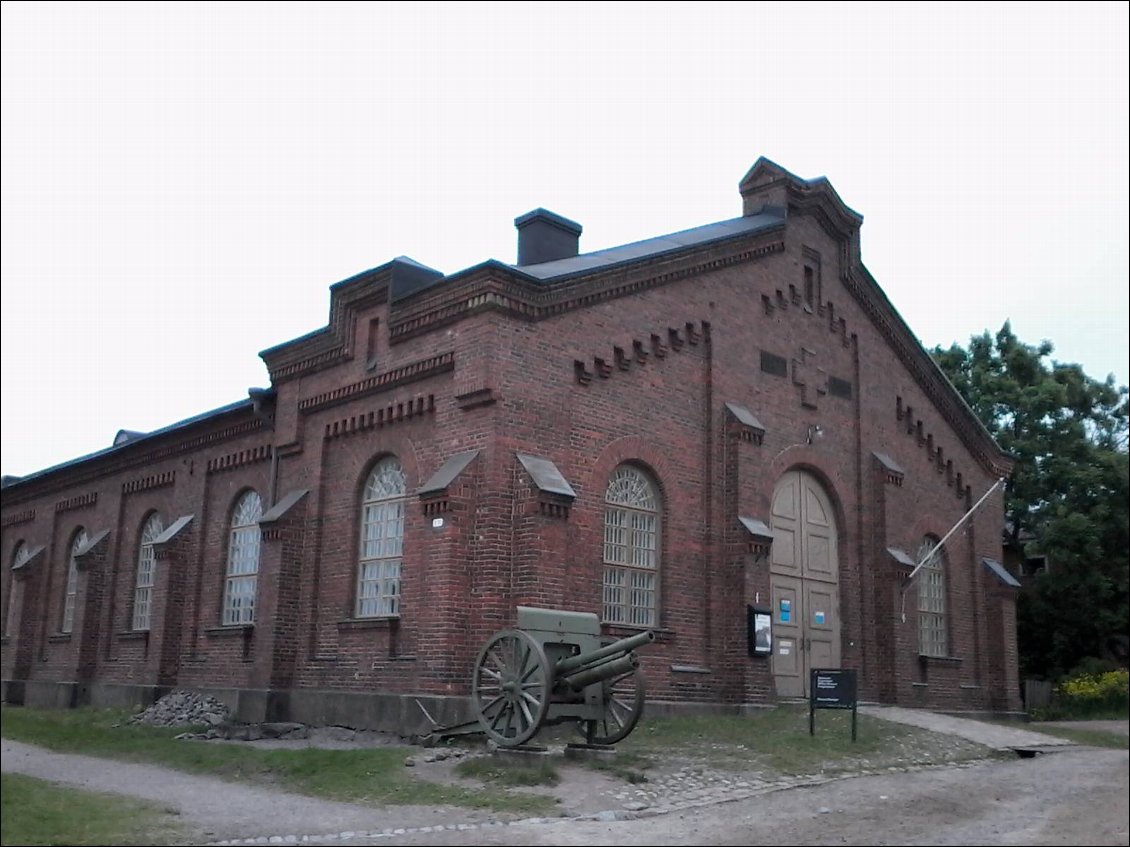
639	361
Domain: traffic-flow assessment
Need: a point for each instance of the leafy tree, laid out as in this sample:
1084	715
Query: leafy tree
1069	491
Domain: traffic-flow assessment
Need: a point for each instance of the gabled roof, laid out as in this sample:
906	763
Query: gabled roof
652	247
130	443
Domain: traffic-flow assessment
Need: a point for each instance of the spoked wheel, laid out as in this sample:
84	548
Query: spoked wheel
623	707
511	687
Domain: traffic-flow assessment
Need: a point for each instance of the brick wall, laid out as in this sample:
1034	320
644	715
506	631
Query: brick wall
633	367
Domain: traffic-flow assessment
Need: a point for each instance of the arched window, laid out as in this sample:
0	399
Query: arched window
382	540
631	548
77	543
243	561
21	555
932	601
143	592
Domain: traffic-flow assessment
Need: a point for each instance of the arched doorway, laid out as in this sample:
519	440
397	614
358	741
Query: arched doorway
804	575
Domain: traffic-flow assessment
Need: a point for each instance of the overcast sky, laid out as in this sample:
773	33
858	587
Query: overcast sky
182	182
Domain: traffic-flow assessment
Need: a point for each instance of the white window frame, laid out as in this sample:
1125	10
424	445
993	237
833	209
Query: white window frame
384	505
932	630
70	594
242	579
631	553
146	573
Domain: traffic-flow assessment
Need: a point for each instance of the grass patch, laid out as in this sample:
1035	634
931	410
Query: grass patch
374	776
38	812
491	769
1086	737
629	767
778	740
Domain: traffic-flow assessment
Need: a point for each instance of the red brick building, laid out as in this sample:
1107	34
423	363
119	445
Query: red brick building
669	434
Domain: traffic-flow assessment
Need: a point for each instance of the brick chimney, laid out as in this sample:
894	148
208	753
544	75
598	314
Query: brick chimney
544	237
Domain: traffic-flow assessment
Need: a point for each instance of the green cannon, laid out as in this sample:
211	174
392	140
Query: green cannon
553	668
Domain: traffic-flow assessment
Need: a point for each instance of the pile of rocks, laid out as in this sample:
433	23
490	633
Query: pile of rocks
184	708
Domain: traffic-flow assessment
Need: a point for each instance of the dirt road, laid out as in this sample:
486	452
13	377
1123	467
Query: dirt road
1075	795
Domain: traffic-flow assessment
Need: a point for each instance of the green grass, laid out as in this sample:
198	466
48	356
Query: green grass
1086	737
374	776
500	772
778	740
629	767
1082	712
37	812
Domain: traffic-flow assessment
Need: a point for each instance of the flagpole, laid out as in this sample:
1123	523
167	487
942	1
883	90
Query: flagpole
945	538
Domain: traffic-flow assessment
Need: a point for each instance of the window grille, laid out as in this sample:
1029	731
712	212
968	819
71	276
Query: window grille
143	591
631	551
243	561
382	540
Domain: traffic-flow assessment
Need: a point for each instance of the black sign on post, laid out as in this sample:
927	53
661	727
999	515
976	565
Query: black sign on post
831	689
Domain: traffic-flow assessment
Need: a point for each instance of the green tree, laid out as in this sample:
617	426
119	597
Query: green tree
1069	491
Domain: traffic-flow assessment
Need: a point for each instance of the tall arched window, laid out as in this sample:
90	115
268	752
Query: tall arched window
382	540
243	561
932	601
631	548
77	543
21	555
143	592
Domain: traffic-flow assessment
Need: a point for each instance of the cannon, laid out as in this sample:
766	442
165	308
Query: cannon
553	668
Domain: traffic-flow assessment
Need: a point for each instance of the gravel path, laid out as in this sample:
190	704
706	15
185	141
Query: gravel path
218	809
1076	796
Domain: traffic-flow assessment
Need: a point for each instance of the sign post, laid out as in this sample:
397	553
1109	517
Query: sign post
831	689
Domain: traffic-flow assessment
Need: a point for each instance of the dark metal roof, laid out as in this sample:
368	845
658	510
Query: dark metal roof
546	476
888	463
97	454
902	558
173	531
756	527
552	217
449	470
998	570
745	417
653	246
276	512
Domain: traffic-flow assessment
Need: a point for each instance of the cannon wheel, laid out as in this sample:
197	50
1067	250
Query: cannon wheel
511	687
623	707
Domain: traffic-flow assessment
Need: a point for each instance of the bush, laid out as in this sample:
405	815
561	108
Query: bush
1091	695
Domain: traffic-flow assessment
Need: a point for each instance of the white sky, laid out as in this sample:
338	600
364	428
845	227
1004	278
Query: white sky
183	182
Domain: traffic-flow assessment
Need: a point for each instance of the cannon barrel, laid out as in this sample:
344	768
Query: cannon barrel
574	663
619	666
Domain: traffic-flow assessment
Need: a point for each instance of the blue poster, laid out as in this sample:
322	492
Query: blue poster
819	618
786	610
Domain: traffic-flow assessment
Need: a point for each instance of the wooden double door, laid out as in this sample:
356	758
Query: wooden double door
804	577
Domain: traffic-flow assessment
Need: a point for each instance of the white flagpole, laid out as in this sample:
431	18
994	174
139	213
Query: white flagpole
945	538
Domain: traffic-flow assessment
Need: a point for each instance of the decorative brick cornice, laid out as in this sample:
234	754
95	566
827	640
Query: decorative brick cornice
934	454
640	352
410	409
240	458
334	342
500	288
96	470
926	373
770	303
145	483
412	372
79	501
18	517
